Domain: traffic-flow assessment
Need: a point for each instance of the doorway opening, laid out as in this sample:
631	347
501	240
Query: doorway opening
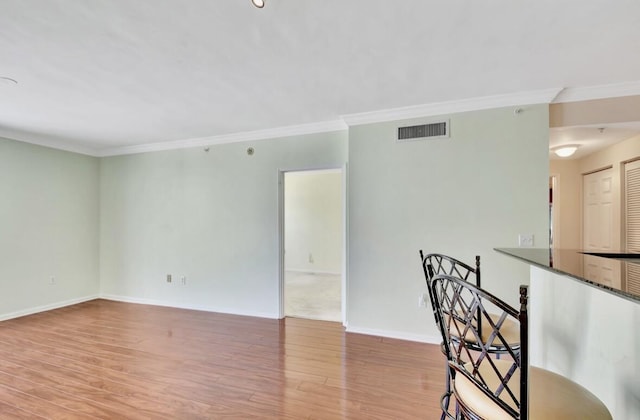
312	237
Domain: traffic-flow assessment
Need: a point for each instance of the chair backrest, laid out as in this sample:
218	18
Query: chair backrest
457	305
436	264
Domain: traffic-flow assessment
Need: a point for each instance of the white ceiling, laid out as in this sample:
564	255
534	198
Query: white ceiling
590	139
103	74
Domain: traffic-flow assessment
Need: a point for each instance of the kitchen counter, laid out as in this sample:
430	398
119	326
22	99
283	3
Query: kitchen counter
583	321
615	272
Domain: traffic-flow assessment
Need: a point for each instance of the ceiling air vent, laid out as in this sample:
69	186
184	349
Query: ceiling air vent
436	130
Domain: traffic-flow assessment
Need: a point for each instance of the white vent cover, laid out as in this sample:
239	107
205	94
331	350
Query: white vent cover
434	130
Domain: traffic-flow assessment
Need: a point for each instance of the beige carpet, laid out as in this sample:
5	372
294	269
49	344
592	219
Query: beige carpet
313	296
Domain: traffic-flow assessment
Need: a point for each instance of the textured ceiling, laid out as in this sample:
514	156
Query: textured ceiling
111	73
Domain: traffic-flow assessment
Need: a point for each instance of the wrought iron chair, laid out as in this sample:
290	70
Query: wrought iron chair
438	264
507	388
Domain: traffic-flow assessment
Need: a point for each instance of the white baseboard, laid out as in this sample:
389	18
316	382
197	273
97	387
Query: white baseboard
420	338
145	301
43	308
306	271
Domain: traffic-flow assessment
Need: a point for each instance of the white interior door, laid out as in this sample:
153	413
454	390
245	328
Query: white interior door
597	227
597	223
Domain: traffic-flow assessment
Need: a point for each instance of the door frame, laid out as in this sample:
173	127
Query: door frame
624	202
345	239
554	220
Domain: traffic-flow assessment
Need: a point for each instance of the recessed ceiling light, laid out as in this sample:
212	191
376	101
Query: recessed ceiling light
258	3
7	81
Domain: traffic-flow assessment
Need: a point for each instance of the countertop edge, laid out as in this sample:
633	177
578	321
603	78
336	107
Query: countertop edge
574	277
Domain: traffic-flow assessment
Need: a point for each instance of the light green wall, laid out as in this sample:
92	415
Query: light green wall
313	221
213	217
460	196
210	216
48	227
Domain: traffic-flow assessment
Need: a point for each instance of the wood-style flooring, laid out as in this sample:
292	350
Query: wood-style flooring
113	360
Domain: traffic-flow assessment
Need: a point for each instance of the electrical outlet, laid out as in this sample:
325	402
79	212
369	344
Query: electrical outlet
52	280
525	240
311	258
168	278
422	300
183	279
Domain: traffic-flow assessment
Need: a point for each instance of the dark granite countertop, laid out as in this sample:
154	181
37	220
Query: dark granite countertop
615	272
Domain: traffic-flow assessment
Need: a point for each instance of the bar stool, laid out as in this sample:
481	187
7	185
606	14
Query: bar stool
508	388
438	264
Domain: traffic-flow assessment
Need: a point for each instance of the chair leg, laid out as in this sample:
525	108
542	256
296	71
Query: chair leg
447	395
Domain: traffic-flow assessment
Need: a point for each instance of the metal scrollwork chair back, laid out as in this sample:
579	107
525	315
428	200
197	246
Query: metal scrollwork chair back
459	305
439	264
506	388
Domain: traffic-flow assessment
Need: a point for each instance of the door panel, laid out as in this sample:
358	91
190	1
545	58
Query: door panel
598	226
598	211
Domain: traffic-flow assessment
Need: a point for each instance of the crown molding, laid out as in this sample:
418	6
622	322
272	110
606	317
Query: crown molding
271	133
46	141
587	93
544	96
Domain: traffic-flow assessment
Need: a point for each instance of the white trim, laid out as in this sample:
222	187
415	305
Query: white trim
281	235
345	245
144	301
270	133
317	171
420	338
555	216
281	270
544	96
48	307
587	93
308	271
155	302
552	95
47	142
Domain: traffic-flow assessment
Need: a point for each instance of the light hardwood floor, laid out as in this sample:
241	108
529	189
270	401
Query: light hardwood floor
113	360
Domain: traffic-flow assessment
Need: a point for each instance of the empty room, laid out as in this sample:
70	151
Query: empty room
214	209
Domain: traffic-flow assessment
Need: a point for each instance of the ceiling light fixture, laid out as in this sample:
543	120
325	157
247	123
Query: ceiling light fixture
258	3
566	150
